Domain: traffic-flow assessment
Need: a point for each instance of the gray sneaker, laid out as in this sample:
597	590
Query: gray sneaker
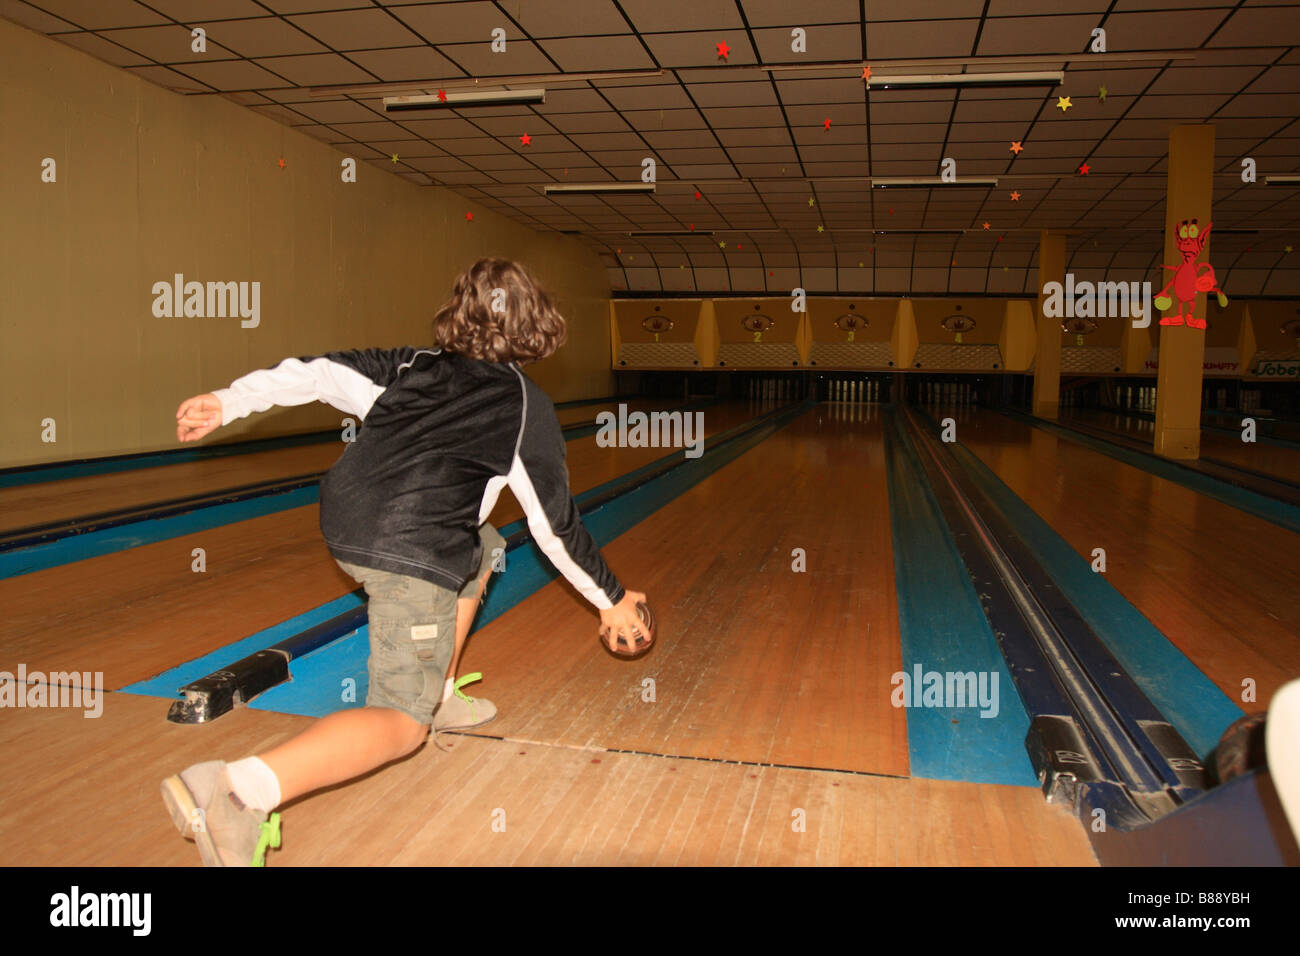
206	810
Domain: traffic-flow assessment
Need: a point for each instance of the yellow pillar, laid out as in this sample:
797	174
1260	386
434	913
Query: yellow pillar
1047	346
903	340
1017	339
1189	190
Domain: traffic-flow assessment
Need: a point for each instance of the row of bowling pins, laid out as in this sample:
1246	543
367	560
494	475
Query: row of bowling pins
853	390
1141	397
771	389
948	393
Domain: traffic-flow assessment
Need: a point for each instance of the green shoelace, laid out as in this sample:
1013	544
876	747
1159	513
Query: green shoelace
268	838
467	679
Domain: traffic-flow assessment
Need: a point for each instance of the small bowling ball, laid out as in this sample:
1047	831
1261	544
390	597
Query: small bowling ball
645	638
1241	748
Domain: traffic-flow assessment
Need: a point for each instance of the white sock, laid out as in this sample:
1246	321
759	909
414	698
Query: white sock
254	783
448	688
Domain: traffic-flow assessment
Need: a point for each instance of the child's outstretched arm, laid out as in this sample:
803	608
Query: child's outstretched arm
350	381
540	482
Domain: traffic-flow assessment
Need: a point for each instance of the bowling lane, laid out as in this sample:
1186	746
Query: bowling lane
136	613
758	661
68	498
1280	461
1219	583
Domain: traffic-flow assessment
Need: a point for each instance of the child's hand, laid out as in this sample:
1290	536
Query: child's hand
622	619
198	416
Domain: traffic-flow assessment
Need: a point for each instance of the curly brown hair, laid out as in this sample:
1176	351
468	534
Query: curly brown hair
498	313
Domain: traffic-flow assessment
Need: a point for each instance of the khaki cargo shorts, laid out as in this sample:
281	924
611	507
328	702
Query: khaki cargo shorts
413	633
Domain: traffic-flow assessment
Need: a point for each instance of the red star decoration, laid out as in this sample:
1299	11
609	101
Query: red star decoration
891	212
827	124
1016	147
723	50
442	96
697	194
469	216
999	238
1083	170
986	225
282	162
525	139
866	73
739	247
692	227
1015	196
771	273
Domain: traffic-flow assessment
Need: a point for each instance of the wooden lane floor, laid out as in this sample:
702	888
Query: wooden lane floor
562	806
1281	461
759	662
136	613
68	498
1219	583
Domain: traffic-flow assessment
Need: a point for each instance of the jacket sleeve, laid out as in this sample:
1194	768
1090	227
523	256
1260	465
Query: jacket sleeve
350	381
540	482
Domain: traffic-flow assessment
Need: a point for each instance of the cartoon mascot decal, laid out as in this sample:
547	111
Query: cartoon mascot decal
1189	278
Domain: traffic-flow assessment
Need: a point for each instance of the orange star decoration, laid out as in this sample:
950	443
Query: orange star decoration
723	50
525	139
827	124
866	73
1016	147
1063	103
986	225
1084	169
1015	196
442	96
281	164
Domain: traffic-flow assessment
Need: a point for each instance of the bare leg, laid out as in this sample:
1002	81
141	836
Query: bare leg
465	611
350	743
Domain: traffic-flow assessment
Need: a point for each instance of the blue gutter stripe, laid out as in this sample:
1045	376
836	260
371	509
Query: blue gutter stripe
1261	506
79	547
165	684
317	685
943	628
1188	699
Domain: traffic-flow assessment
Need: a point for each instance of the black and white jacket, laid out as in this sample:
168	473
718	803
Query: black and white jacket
442	435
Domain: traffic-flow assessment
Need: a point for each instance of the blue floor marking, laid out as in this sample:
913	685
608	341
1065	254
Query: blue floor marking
316	687
93	544
943	628
168	682
1188	699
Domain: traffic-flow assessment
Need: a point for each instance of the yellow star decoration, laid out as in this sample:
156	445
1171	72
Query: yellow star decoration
811	201
1101	95
1286	249
722	244
859	265
821	228
1004	269
394	157
1063	103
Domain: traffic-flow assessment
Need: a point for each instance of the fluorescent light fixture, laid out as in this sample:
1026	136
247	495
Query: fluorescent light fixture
920	232
1288	180
404	104
951	81
932	182
656	233
596	189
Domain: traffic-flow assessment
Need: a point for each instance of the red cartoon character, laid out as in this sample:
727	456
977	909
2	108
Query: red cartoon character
1189	278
